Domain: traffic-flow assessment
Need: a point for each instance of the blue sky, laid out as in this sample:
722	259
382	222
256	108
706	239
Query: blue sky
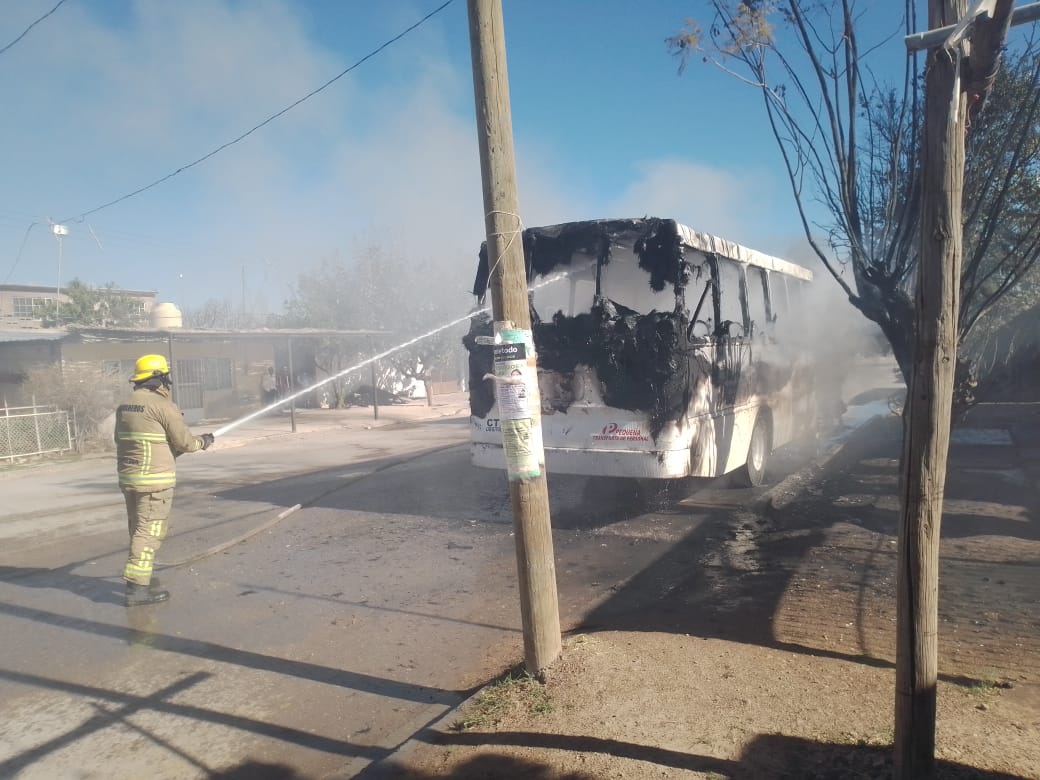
106	96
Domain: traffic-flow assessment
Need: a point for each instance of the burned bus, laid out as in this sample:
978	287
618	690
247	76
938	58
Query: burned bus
662	352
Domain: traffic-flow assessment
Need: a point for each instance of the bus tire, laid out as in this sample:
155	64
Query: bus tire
754	472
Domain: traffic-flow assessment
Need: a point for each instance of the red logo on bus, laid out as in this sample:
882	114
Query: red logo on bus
614	432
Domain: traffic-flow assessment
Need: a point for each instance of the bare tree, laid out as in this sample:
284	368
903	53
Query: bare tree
324	298
851	143
213	313
1002	193
86	391
958	78
382	290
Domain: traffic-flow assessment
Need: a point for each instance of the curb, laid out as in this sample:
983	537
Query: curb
389	767
793	484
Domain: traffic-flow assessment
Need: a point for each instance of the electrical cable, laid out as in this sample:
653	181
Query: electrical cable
26	31
18	257
269	119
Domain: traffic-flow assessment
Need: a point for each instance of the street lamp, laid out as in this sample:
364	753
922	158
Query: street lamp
59	231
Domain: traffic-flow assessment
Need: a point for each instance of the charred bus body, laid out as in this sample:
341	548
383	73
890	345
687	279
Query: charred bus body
662	352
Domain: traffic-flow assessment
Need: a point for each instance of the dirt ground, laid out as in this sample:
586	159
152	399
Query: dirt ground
765	647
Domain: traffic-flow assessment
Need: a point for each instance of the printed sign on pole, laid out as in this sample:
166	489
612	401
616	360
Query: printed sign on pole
516	384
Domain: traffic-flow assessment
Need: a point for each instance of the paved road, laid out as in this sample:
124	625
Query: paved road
322	642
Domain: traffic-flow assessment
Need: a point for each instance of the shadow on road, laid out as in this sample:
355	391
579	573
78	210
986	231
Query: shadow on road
144	634
100	590
442	484
767	756
257	770
115	708
143	631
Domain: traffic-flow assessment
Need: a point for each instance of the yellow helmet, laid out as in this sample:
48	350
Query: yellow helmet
148	366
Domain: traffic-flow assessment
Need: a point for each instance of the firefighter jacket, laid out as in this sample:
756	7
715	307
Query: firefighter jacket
150	433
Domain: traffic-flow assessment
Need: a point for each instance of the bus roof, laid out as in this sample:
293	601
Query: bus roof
631	228
662	240
705	242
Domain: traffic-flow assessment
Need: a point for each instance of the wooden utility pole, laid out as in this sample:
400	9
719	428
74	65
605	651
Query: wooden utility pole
951	84
519	402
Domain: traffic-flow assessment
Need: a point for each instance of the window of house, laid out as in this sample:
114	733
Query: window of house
217	374
26	307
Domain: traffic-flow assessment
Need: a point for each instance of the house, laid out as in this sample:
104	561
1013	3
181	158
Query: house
216	373
20	304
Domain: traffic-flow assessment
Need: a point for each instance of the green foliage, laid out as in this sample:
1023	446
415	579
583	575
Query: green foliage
102	307
516	692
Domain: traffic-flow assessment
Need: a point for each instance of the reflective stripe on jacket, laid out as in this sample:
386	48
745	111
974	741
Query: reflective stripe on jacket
150	433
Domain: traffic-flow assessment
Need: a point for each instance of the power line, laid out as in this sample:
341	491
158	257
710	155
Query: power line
26	31
19	255
269	119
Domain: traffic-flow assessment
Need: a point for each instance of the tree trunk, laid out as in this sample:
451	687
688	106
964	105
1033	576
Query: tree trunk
929	402
894	315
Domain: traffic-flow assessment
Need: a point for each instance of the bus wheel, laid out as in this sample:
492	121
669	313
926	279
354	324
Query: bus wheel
758	453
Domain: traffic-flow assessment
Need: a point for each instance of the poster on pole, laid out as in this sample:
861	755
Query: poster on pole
516	383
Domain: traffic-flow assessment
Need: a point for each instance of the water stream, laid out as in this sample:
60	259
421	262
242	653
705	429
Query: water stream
368	361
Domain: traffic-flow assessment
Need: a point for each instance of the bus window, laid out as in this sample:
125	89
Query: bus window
758	306
699	297
731	307
571	295
778	297
796	301
624	282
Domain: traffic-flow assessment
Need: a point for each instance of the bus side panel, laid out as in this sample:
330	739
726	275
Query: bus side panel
793	407
736	440
593	440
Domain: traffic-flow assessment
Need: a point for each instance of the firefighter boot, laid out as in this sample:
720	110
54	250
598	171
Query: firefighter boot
141	595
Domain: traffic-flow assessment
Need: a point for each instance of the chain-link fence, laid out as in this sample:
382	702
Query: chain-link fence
33	430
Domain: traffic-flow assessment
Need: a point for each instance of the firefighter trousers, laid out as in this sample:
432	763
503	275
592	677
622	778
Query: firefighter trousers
147	517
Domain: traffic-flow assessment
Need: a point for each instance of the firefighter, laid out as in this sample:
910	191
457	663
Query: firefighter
150	433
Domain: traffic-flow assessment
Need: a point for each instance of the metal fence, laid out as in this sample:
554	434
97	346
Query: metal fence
33	430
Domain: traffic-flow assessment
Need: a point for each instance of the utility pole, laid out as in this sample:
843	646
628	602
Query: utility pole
515	365
59	231
953	84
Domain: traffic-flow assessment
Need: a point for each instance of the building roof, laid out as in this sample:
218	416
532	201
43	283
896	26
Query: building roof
32	334
178	334
50	288
202	334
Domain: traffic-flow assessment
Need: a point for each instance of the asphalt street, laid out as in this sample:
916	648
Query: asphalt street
322	641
